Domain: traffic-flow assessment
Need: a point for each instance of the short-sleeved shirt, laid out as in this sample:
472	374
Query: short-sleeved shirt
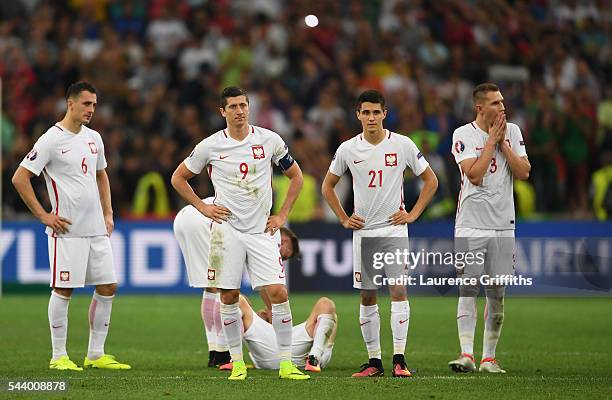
69	162
378	174
490	205
241	173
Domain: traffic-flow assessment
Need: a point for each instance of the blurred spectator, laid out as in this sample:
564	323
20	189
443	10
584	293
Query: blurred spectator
161	64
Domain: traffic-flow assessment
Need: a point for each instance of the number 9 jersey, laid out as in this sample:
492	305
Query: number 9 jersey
241	173
69	162
378	174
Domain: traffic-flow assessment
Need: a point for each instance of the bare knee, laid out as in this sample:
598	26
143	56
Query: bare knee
368	297
65	292
398	293
211	290
277	293
325	305
229	296
106	290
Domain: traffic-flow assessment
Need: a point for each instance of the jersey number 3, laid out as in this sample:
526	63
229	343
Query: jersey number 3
493	165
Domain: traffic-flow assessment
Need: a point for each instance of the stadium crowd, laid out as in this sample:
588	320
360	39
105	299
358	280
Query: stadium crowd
160	65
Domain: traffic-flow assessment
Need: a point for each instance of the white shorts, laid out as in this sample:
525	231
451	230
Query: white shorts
260	339
192	232
395	271
231	251
79	261
497	246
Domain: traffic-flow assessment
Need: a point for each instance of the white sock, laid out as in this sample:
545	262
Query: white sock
466	323
232	329
58	323
283	327
208	317
99	320
369	320
494	319
221	342
400	319
323	329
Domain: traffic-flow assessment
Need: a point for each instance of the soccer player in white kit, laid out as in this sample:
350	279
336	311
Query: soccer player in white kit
377	159
71	157
490	152
192	232
313	339
239	162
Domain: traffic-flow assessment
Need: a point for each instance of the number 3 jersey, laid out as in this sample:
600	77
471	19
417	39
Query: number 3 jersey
491	205
69	162
378	174
241	173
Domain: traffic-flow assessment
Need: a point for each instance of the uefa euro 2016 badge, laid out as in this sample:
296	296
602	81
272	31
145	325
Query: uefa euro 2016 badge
459	146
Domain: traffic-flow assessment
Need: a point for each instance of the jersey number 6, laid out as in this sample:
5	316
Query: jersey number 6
84	166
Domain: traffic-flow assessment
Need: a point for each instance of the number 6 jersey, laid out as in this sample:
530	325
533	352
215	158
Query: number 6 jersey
378	174
69	162
491	205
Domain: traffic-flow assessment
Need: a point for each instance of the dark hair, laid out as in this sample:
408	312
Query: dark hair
295	243
370	96
481	90
232	91
76	88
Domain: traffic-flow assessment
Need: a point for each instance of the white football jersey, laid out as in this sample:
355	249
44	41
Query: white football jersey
69	162
241	173
378	174
491	205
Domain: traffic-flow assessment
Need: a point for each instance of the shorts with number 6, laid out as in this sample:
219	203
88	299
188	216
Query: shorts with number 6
79	261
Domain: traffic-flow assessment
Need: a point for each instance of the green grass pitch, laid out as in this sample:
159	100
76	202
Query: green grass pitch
552	348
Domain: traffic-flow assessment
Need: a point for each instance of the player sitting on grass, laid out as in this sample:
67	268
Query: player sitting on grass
313	339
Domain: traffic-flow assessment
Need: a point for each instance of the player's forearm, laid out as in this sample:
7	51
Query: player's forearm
519	166
429	189
26	192
479	168
295	186
330	196
105	192
184	189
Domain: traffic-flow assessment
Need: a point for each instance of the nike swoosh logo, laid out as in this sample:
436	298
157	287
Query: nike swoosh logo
401	322
284	321
65	151
281	277
479	148
363	323
223	157
55	327
226	323
105	324
358	161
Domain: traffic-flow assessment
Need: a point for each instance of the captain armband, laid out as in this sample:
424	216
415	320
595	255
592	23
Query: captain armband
286	162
